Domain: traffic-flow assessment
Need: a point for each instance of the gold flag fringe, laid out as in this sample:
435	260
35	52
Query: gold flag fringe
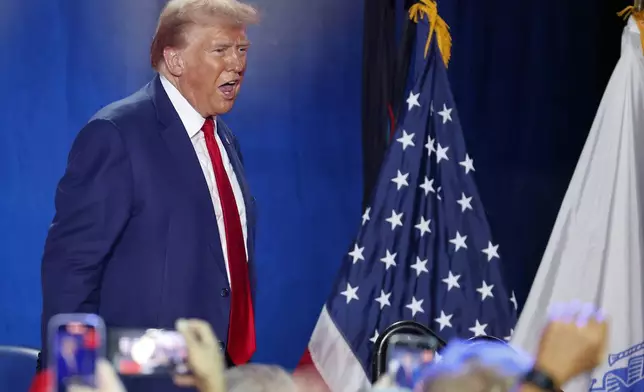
639	19
436	25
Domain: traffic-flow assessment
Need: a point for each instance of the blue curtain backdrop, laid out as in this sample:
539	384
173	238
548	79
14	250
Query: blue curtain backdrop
527	77
298	121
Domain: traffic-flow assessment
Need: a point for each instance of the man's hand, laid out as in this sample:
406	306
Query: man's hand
205	359
106	380
574	341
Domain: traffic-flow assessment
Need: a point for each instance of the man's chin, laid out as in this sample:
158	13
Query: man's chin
224	107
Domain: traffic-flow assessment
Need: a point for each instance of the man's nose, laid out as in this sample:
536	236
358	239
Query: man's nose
235	63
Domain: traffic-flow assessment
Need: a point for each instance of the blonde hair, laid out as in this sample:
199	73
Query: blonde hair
259	378
470	377
480	367
178	15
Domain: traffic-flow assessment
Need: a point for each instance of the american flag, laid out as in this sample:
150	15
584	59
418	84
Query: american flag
424	251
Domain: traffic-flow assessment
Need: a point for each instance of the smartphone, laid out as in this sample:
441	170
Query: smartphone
408	356
486	338
75	342
147	352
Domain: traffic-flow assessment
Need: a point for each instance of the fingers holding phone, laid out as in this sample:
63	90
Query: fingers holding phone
106	380
205	359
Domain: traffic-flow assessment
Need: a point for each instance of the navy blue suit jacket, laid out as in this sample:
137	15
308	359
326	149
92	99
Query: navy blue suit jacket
135	238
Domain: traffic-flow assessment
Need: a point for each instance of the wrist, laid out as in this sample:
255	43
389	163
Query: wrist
558	372
539	379
211	384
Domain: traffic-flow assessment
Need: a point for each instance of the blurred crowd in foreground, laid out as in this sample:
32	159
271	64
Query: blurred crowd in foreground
573	342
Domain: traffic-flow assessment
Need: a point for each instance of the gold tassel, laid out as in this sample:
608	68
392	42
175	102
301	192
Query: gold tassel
639	19
436	25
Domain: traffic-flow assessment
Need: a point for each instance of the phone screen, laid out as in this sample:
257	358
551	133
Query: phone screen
147	352
76	347
407	358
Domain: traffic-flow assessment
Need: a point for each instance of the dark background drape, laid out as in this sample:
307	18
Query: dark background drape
527	77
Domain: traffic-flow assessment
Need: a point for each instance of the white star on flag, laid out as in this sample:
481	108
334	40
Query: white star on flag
441	153
452	281
356	253
413	100
389	260
428	186
430	146
444	320
365	216
423	226
351	293
400	180
513	299
486	291
375	337
383	300
468	164
395	219
465	203
415	306
459	241
491	251
446	114
420	266
407	140
479	329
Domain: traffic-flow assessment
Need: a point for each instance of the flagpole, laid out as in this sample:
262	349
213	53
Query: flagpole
638	5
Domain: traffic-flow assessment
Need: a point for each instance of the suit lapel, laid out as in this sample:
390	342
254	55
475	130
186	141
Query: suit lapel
186	164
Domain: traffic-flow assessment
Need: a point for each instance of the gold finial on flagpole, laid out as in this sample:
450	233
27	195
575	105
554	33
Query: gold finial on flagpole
436	25
637	9
637	12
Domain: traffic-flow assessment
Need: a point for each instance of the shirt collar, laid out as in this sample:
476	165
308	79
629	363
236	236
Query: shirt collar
191	119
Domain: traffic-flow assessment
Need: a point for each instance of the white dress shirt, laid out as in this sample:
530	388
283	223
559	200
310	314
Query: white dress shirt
193	122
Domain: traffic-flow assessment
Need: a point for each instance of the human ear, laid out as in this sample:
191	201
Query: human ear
173	60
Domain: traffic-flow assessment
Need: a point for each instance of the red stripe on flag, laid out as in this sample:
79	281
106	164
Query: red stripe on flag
329	364
306	360
307	375
41	382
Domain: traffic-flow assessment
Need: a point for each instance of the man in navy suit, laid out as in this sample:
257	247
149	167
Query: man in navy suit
154	218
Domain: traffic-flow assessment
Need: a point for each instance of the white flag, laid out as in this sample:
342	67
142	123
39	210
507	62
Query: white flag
596	248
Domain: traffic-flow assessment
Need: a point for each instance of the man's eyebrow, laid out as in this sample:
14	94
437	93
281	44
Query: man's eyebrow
222	43
228	44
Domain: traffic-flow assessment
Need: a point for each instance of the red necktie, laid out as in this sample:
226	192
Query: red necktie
241	328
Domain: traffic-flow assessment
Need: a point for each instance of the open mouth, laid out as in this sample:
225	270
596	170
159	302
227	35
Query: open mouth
228	89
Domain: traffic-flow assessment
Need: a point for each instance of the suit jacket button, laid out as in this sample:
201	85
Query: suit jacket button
225	292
